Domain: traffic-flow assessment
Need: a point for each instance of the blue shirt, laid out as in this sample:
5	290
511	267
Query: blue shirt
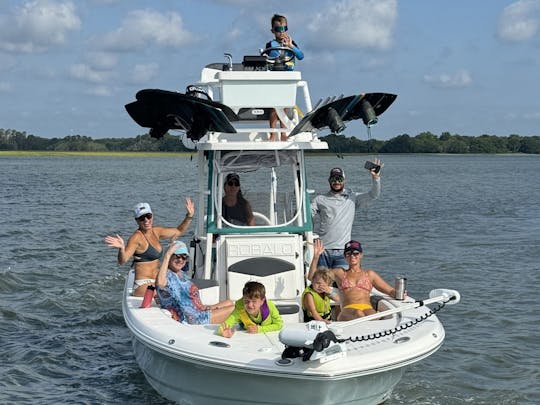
295	51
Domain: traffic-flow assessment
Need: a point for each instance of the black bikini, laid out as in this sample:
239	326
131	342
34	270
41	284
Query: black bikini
149	255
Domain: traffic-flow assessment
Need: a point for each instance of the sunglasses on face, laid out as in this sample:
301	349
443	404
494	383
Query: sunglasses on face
233	184
280	28
180	257
336	179
352	253
145	216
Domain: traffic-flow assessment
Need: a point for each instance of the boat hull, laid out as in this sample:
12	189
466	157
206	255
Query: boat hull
195	383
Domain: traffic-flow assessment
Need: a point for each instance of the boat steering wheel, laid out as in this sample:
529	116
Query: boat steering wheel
285	54
263	217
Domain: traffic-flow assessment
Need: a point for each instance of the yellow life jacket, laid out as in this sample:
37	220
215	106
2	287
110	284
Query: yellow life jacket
322	304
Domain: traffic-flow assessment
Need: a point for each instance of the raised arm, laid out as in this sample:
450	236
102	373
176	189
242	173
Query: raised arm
318	248
161	278
174	233
364	199
124	252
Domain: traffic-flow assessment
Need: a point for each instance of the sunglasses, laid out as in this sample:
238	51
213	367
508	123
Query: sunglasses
180	257
352	253
336	179
280	28
233	184
145	216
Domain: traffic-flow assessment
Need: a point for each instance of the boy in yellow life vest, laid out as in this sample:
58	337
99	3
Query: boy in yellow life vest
316	298
253	311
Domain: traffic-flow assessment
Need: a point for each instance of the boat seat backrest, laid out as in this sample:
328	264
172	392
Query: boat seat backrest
277	275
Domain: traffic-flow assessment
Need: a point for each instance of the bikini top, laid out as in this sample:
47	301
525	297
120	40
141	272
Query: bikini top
149	255
364	283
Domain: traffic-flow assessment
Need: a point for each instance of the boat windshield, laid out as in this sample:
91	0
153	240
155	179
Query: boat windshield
270	181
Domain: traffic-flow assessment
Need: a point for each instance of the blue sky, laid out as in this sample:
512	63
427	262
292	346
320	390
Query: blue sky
462	66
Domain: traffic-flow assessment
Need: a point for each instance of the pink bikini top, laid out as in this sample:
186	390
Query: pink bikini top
364	283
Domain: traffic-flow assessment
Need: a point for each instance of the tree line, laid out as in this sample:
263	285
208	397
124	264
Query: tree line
425	142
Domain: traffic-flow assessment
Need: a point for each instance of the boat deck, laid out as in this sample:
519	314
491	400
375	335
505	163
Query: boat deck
260	353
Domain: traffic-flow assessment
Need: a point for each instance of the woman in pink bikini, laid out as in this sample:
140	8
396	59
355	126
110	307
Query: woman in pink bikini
144	244
354	284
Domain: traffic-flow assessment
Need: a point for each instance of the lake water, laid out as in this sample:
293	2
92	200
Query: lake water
470	223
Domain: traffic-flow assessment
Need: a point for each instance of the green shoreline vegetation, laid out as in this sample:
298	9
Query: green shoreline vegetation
13	142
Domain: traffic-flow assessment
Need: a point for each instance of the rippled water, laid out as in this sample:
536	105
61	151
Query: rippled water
470	223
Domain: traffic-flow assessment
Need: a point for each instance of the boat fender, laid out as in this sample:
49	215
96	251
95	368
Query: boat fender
302	337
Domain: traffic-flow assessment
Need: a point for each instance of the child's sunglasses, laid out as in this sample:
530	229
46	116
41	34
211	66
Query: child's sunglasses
280	28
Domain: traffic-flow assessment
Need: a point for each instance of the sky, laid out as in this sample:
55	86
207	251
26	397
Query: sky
461	66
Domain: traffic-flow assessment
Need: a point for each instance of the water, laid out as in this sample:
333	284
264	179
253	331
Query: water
470	223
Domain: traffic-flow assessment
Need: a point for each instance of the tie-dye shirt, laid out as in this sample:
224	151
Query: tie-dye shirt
181	295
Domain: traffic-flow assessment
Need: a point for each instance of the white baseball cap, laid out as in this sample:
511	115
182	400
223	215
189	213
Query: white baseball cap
141	209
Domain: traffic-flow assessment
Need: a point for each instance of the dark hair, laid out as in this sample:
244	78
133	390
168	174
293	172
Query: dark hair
242	202
254	289
278	18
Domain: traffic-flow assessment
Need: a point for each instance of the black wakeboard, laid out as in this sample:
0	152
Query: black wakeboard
334	114
162	110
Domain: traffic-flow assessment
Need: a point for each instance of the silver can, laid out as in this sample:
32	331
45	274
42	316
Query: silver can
400	284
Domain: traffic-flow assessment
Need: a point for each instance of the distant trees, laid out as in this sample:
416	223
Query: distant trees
425	142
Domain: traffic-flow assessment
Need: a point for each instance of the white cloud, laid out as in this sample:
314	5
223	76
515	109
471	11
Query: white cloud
86	73
142	28
519	21
460	79
102	60
37	26
355	24
100	91
144	73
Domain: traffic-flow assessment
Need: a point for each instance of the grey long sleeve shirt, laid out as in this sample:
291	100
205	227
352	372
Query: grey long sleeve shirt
336	213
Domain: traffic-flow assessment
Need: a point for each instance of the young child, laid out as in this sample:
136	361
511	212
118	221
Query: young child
316	298
282	39
253	311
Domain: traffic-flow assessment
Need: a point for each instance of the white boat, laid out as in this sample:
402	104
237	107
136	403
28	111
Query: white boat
356	362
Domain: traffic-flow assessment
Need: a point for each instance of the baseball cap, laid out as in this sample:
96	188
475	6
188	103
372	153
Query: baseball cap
181	248
337	172
232	176
352	245
141	209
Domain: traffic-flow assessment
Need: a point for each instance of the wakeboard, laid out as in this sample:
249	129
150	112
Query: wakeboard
335	113
162	110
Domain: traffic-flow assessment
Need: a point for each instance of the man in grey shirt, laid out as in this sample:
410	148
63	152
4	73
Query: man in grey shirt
335	211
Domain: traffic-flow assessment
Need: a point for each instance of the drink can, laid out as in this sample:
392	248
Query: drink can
400	284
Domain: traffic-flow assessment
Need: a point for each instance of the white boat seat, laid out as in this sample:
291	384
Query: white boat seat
208	290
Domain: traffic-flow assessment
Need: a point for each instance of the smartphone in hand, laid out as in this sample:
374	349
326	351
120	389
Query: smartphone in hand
372	166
